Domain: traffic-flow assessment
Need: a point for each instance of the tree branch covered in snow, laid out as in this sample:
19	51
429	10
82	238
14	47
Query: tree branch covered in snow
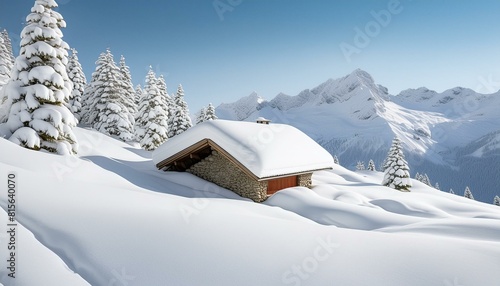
76	75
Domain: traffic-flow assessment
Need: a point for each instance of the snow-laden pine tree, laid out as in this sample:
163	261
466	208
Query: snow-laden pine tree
210	113
436	186
8	44
87	98
179	120
4	78
5	63
452	192
128	87
201	116
162	87
418	176
336	160
468	193
138	95
397	172
151	128
105	109
371	165
426	180
39	88
76	75
496	201
360	166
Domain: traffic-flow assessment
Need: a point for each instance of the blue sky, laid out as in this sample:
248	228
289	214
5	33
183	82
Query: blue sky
224	49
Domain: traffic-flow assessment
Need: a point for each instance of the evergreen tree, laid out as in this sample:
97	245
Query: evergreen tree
496	201
437	186
162	86
5	63
468	193
426	180
6	57
385	164
128	97
76	75
397	172
38	117
151	126
336	160
5	70
179	121
360	166
106	110
371	165
417	176
201	117
87	98
452	192
210	113
8	44
138	95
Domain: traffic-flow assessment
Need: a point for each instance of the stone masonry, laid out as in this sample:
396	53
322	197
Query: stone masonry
218	170
305	180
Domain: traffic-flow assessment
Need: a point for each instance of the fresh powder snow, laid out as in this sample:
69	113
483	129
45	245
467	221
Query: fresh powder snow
112	215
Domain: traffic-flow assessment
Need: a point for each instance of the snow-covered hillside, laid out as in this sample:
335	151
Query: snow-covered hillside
451	136
108	217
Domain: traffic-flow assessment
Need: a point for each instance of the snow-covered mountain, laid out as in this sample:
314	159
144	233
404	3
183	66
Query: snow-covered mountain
108	217
444	134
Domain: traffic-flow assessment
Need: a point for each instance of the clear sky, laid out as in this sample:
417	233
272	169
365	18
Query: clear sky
224	49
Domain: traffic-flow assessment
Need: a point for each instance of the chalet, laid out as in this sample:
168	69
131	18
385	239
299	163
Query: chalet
253	160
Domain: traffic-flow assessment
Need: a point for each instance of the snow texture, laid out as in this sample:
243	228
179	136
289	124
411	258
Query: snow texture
119	221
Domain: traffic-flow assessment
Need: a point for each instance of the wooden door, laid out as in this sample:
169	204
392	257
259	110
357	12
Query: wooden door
282	183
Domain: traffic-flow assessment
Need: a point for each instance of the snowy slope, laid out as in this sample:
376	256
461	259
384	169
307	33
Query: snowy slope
35	263
354	118
114	219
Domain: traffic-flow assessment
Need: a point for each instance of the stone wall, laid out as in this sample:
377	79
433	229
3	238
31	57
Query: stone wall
305	180
217	169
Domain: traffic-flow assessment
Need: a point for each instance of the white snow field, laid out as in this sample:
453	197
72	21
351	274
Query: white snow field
108	217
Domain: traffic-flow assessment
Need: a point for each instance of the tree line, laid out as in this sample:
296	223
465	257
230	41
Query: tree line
44	93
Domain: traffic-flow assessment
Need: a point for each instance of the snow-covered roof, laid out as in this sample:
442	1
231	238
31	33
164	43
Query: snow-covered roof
264	150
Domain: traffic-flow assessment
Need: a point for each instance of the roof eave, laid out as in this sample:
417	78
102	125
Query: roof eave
208	142
267	178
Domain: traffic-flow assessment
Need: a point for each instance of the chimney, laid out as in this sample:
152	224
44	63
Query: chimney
262	120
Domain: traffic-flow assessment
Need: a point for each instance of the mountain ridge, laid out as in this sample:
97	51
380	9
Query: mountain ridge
355	118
